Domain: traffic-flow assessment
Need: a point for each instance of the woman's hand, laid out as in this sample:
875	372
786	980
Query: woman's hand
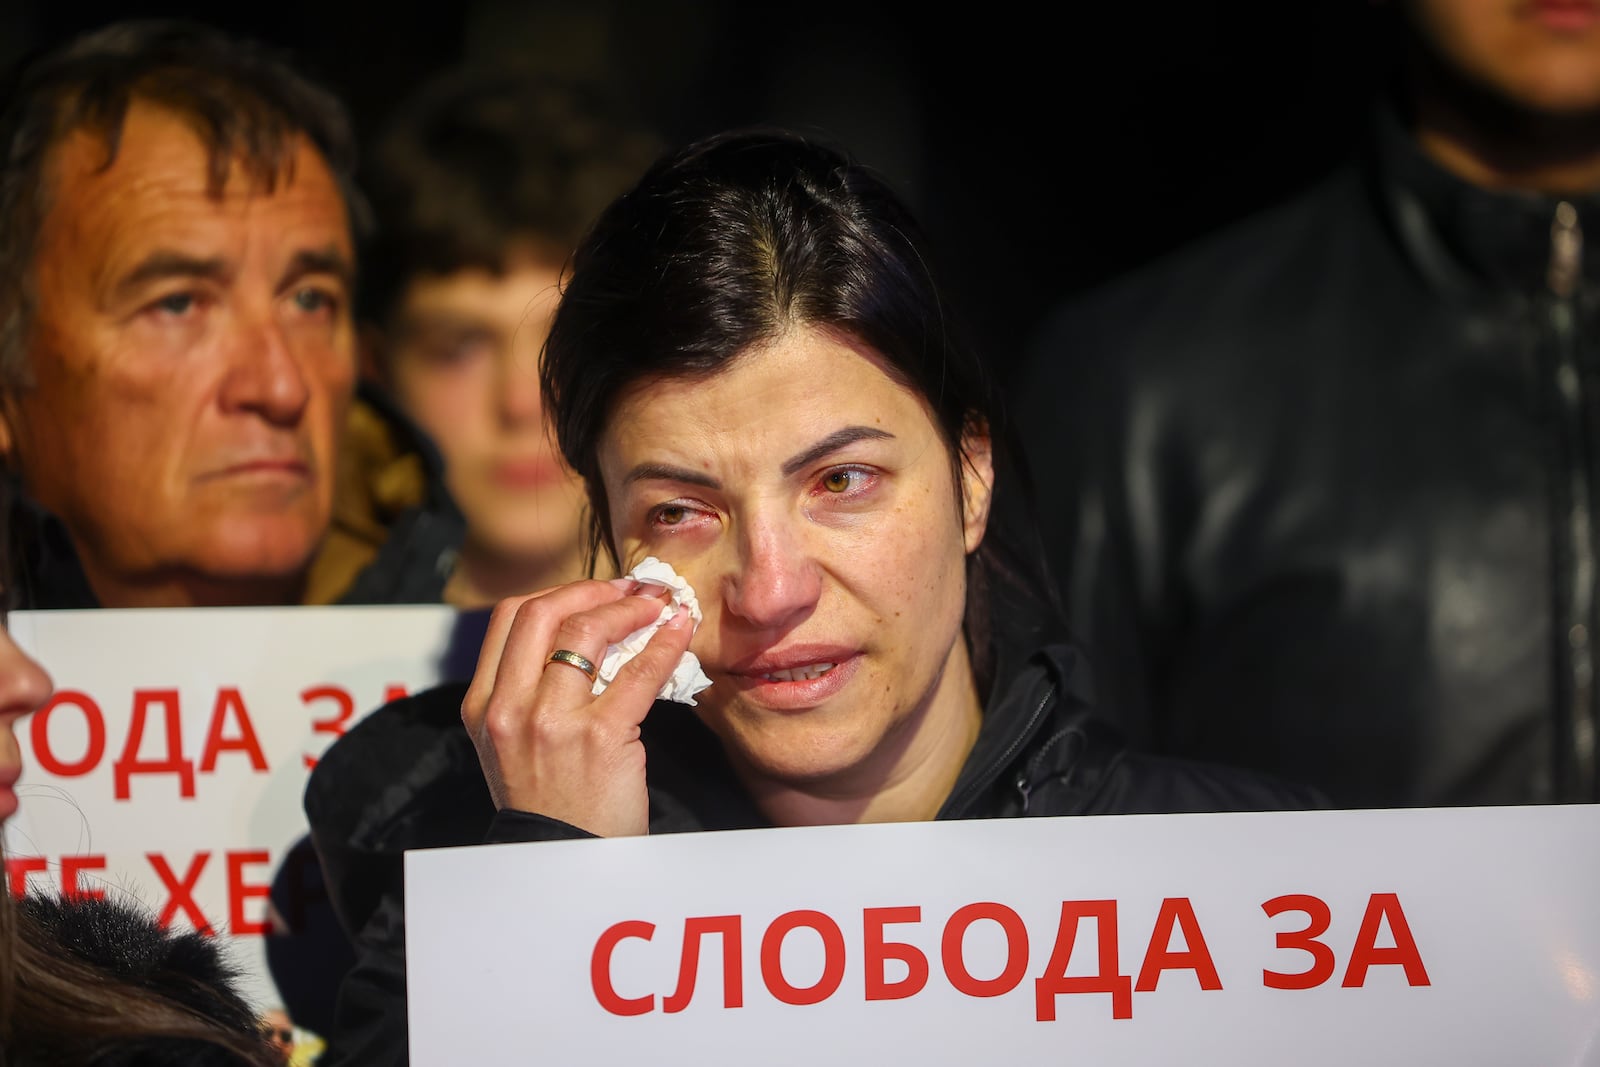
546	743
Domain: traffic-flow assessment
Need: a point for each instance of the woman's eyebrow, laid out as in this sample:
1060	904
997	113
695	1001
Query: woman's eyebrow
663	472
832	443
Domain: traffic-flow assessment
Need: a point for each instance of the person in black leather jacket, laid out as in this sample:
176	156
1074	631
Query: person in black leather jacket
1322	486
751	371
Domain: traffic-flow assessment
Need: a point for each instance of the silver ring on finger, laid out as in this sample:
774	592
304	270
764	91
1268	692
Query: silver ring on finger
573	659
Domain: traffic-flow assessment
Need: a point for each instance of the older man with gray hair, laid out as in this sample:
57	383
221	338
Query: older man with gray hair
178	356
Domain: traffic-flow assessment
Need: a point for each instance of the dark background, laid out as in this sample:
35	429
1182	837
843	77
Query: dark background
1045	148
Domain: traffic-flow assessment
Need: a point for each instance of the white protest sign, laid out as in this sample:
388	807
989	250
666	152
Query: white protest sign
1464	936
171	761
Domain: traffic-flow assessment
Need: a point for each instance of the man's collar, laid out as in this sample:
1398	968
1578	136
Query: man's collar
1464	237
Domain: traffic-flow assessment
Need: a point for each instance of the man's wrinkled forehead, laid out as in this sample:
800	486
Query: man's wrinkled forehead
107	227
257	164
158	171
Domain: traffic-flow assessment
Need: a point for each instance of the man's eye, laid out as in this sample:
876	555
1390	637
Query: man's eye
312	301
176	303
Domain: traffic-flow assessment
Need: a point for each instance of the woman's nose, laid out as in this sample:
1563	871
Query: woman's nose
775	580
23	683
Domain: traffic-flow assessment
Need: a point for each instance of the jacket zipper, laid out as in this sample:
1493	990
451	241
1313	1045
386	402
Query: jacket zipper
1024	790
1566	263
956	809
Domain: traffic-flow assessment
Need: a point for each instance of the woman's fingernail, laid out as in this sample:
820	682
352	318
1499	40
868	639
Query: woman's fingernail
626	585
681	617
645	587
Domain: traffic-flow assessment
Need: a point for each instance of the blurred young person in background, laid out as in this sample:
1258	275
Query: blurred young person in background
177	260
1321	489
482	185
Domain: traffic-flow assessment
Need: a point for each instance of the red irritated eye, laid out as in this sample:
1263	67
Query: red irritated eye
676	515
844	480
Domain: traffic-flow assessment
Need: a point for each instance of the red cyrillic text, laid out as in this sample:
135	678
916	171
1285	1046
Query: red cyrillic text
130	762
344	705
71	866
94	721
17	870
955	965
1158	957
600	969
181	891
1176	943
1055	980
1318	917
1366	953
832	957
240	891
229	701
878	950
728	927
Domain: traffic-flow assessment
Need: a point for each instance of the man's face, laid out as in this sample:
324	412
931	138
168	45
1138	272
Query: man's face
191	360
1540	55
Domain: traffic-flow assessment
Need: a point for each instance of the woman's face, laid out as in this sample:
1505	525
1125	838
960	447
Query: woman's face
23	687
809	499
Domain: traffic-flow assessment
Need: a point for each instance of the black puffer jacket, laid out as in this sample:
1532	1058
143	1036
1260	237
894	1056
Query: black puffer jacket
1322	489
408	777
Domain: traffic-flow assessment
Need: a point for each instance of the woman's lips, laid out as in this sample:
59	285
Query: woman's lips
8	793
796	679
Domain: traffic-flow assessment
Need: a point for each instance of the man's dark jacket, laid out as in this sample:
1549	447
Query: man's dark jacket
408	777
1323	487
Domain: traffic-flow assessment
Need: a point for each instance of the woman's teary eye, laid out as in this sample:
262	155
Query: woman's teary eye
671	515
844	479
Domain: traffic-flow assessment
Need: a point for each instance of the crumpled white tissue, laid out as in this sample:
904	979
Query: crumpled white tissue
687	677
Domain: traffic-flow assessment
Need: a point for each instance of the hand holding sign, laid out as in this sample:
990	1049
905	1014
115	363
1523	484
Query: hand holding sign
546	743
